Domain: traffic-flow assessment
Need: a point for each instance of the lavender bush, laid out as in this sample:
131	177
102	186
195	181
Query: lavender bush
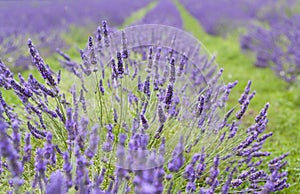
276	47
145	113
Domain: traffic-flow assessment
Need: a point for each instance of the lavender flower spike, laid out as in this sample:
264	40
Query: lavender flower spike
177	157
56	184
40	170
245	94
94	139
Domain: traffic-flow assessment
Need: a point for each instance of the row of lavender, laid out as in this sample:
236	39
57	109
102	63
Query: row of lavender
46	20
146	114
275	41
277	47
219	17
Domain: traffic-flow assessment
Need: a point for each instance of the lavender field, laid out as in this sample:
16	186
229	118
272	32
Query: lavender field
162	96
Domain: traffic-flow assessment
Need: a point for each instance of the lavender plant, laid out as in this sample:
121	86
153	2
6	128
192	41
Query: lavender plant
146	113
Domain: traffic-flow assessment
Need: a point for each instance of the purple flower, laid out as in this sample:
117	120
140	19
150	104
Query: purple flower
101	87
177	157
41	66
147	87
35	132
56	184
8	151
144	122
91	50
40	170
236	182
27	149
161	114
49	150
93	145
108	144
120	64
169	95
68	169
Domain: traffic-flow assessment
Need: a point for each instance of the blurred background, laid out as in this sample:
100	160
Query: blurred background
269	28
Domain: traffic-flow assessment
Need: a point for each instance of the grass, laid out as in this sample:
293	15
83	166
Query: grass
284	98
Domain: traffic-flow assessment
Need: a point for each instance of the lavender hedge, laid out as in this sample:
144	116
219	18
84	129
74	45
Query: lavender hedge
146	114
277	46
46	20
44	16
218	17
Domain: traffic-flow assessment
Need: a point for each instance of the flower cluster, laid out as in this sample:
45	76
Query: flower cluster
145	113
